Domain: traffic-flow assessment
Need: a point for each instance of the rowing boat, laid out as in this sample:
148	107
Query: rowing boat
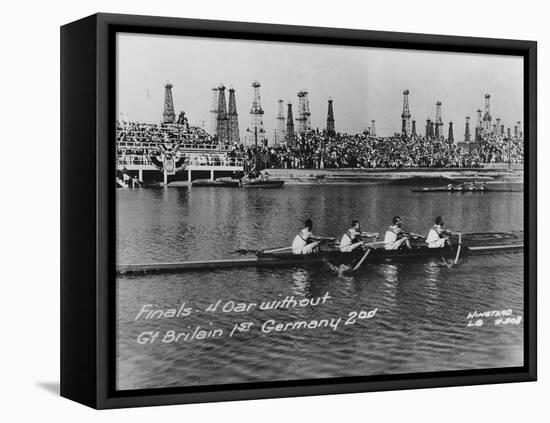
462	191
490	243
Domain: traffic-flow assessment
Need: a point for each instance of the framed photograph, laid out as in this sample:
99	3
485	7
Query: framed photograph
255	211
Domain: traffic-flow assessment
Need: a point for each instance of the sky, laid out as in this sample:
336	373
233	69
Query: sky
364	83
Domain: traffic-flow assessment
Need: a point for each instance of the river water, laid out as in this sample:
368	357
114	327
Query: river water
384	319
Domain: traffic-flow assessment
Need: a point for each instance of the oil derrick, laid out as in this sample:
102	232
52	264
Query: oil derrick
520	132
497	128
451	136
373	128
406	115
281	124
487	118
509	133
233	119
256	129
467	135
214	112
438	121
517	130
303	121
222	116
289	136
479	126
413	128
168	116
330	119
432	129
502	130
428	128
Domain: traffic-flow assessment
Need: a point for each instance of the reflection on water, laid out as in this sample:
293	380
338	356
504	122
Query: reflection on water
420	323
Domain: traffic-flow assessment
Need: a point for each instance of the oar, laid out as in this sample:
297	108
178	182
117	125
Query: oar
453	263
459	246
276	250
358	265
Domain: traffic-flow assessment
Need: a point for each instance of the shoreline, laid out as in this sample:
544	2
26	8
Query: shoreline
431	177
427	176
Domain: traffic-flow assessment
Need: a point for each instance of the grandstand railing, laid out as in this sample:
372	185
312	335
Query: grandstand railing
184	146
142	160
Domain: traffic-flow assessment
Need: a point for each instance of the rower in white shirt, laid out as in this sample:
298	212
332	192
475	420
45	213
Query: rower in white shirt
305	242
395	237
352	238
437	235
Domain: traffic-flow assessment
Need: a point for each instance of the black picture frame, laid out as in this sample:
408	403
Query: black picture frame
88	213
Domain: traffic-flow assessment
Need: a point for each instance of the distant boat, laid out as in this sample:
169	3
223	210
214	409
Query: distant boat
263	183
463	190
216	183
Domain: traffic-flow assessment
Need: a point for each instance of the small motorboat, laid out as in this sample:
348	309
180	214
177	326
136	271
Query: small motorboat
263	183
216	183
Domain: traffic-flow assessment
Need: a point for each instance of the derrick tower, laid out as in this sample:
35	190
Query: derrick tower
256	129
438	120
428	128
451	136
467	135
168	116
304	116
487	118
330	119
373	128
497	129
281	124
289	135
222	127
520	132
479	126
214	112
413	128
406	115
233	119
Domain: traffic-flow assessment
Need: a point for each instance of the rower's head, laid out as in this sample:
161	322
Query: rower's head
355	224
308	224
439	221
397	221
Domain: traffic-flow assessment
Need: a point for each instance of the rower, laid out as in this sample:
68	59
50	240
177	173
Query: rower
352	239
437	236
305	242
395	237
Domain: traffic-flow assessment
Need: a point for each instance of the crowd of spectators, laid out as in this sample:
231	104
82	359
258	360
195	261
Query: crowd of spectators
319	149
135	132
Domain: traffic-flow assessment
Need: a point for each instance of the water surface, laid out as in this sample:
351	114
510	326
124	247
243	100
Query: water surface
420	309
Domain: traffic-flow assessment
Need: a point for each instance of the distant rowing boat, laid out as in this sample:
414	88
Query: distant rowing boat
488	243
462	191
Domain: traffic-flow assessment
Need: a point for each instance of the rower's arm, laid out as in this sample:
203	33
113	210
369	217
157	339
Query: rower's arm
370	234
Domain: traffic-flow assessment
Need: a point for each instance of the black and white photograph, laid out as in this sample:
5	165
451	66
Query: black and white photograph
289	211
